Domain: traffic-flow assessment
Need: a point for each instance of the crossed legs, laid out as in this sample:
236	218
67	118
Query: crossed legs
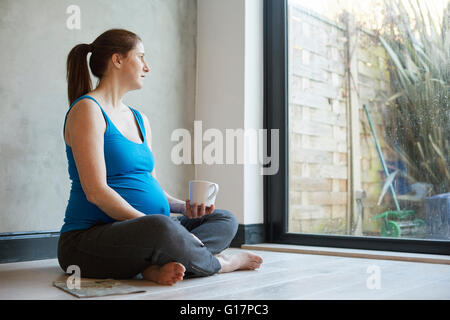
161	248
214	231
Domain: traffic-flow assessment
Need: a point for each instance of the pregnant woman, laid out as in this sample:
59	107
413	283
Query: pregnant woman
117	222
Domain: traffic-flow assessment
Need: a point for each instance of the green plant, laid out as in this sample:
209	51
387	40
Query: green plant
417	114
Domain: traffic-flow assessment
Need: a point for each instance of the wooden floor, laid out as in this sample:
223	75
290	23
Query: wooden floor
282	276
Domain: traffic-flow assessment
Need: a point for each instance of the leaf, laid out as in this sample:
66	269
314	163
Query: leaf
396	61
436	148
395	96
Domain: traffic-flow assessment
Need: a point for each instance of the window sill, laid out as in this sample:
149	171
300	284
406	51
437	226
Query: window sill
351	253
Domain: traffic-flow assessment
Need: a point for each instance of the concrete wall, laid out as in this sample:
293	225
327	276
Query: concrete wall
34	182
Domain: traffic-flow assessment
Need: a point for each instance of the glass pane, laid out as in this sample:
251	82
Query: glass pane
369	116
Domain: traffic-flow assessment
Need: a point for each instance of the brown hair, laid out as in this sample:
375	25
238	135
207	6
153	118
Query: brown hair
112	41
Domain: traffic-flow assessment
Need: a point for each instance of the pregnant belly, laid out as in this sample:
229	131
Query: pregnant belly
142	191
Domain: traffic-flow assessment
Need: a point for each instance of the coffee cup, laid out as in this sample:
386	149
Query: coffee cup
201	191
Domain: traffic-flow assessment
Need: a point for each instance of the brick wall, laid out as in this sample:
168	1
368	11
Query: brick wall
318	123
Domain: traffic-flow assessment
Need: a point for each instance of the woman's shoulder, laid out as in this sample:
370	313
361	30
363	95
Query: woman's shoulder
84	108
83	116
85	99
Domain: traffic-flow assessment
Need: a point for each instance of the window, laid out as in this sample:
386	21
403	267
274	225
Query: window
364	127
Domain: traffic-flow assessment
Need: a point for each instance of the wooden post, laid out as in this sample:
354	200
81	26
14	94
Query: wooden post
354	225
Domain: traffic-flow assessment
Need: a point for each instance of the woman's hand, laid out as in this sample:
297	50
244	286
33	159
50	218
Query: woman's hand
197	211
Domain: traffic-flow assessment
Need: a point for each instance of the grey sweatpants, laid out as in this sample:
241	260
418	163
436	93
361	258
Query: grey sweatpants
123	249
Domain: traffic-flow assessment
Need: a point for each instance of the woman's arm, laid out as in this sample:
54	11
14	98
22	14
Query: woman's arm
176	205
86	120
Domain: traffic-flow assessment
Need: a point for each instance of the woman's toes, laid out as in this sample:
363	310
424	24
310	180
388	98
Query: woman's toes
172	273
178	277
178	267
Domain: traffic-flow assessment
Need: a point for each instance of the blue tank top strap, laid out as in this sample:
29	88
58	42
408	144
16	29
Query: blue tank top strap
140	120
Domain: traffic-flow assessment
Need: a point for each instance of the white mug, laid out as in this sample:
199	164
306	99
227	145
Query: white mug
201	191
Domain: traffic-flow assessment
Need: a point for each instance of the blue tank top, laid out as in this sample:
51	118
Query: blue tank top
128	169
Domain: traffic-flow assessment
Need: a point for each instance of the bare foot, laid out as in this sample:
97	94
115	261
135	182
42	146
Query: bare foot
167	274
242	260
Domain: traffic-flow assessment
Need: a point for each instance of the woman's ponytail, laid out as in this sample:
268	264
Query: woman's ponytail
78	78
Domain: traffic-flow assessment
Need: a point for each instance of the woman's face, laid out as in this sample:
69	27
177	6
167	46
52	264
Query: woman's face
135	67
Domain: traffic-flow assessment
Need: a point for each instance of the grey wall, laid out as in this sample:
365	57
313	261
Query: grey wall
34	182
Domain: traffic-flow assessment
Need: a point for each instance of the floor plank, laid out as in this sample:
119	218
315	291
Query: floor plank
282	276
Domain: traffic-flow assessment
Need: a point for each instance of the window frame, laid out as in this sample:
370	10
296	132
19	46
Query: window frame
276	187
